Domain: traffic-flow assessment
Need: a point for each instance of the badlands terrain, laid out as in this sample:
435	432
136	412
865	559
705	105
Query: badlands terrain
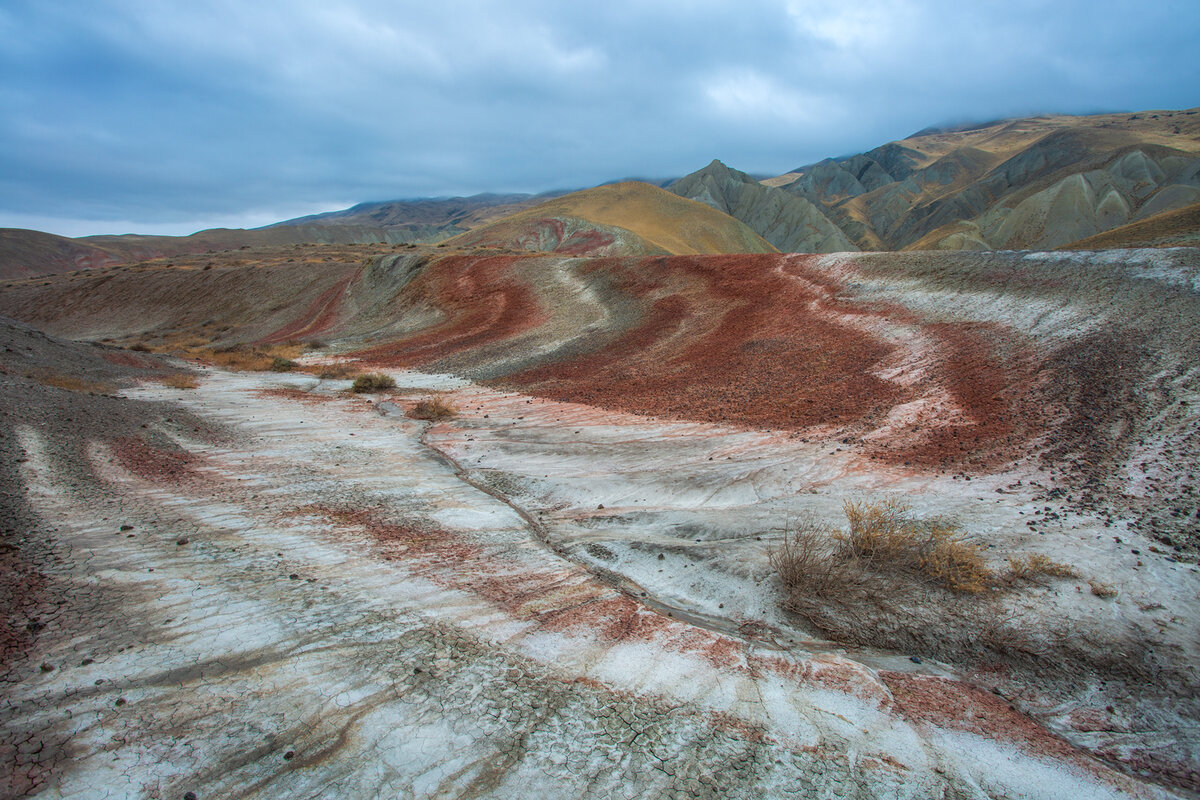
258	583
875	479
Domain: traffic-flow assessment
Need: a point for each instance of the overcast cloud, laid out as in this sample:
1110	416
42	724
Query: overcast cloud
161	116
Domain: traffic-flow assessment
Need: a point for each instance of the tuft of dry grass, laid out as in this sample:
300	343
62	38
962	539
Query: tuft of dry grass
883	536
69	382
181	380
373	382
1030	565
1102	590
434	408
336	372
239	357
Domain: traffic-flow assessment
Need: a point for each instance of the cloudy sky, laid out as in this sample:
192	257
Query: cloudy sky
165	116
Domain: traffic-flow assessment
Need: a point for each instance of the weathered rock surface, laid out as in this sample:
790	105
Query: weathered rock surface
791	223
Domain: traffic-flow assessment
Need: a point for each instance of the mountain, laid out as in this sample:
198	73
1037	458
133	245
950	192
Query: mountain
429	218
628	218
1035	183
25	253
790	223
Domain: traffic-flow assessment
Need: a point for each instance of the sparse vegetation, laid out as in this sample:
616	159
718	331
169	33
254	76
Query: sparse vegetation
373	382
181	380
336	372
69	382
1031	565
915	586
883	536
433	408
236	357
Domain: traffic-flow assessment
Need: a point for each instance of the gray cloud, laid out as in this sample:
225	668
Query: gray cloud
171	116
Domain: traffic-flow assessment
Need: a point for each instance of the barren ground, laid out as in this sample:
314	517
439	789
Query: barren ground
266	586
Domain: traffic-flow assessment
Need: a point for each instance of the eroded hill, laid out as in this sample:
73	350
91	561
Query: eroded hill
1035	183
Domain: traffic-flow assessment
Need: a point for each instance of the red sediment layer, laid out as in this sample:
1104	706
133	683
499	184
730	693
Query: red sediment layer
131	360
954	705
990	379
287	393
318	317
566	599
484	303
741	343
752	340
155	464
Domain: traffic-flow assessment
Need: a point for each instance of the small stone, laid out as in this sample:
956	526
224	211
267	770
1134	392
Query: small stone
120	701
47	667
182	540
600	506
289	755
189	796
126	527
914	659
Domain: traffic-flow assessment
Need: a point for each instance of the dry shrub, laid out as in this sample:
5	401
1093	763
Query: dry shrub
434	407
1102	590
242	358
808	562
1031	565
842	587
336	372
181	380
885	537
238	360
950	560
69	382
373	382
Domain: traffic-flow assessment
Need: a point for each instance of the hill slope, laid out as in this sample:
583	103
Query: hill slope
790	223
431	218
1033	183
25	253
628	218
1178	228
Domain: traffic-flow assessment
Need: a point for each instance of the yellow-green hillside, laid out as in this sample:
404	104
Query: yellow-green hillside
641	217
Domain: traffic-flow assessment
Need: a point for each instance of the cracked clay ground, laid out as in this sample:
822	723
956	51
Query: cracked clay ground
532	600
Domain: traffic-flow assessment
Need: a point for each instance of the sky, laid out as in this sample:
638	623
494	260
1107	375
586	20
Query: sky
160	116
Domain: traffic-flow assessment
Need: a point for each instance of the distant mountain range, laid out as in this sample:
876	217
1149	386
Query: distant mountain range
1036	183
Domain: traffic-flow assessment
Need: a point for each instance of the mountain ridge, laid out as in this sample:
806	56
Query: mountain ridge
1033	183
